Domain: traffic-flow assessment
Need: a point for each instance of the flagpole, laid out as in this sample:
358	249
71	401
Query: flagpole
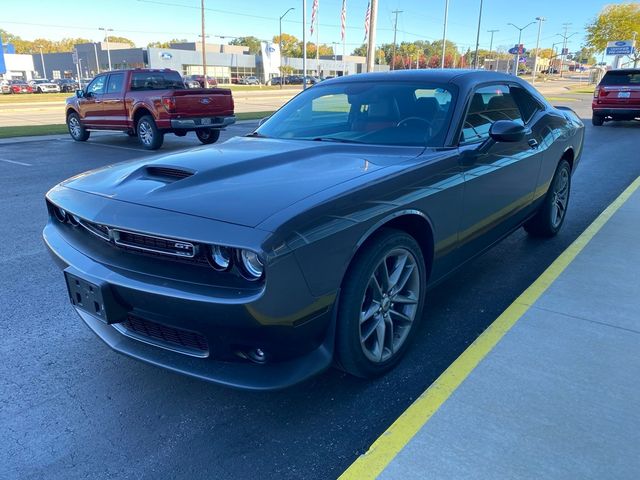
318	40
304	44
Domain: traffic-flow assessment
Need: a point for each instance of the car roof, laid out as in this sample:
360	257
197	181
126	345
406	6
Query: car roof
460	77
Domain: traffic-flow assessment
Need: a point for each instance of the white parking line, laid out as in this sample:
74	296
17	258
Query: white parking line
105	145
15	162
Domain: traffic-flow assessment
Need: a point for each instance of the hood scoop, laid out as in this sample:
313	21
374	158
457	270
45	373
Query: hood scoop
166	173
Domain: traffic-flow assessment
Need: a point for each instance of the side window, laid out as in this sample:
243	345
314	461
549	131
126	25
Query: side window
116	81
527	104
97	85
488	105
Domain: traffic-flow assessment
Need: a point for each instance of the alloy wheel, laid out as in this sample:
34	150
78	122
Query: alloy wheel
389	305
560	198
145	133
74	126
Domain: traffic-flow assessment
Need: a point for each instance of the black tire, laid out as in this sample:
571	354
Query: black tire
546	223
180	133
352	355
76	130
148	134
131	133
597	120
208	135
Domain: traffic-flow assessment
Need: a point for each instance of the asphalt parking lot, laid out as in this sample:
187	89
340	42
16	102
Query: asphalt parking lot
72	408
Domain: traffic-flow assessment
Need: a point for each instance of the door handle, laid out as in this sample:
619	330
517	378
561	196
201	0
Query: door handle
533	143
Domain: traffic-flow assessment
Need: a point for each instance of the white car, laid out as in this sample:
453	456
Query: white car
44	86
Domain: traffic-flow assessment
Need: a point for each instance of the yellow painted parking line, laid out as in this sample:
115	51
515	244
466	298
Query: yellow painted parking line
393	440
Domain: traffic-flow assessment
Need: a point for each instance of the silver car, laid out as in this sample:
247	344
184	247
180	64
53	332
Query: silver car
44	86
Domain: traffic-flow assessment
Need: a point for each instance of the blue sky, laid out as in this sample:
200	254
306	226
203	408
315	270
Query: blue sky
148	20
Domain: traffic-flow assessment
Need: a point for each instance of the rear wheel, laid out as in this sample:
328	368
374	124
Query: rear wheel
208	135
76	130
550	217
380	304
597	120
150	137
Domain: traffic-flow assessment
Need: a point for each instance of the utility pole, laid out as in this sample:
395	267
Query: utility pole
371	50
535	61
204	47
106	39
515	67
304	44
44	71
395	31
444	32
564	45
282	74
491	43
475	57
95	50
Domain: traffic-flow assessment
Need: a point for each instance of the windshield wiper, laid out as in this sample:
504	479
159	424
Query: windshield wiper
334	139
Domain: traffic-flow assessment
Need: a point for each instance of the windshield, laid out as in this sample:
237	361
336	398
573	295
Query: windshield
156	81
382	113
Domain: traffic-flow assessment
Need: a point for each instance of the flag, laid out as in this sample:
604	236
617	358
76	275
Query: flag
366	21
314	13
343	19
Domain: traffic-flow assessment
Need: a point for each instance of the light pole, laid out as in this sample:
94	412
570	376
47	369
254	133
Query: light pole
44	71
515	68
475	57
282	75
635	59
395	31
371	49
304	44
444	32
535	61
106	39
95	49
491	43
565	37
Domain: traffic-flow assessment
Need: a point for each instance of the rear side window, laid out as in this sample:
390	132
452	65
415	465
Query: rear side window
488	105
156	81
116	81
527	104
621	78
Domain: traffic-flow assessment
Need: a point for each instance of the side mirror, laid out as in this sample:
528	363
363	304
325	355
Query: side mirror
79	93
507	131
262	120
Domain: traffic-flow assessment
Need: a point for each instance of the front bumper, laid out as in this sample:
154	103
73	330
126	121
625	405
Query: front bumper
281	318
202	122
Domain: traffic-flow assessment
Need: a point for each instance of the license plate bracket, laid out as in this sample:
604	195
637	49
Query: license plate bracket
94	298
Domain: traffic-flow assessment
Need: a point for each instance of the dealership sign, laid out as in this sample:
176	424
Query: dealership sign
621	47
3	67
165	56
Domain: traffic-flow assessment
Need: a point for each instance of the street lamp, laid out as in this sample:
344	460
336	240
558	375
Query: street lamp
444	32
535	61
106	39
280	46
475	57
515	68
44	71
95	50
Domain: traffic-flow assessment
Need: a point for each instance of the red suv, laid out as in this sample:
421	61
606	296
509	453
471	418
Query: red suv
617	96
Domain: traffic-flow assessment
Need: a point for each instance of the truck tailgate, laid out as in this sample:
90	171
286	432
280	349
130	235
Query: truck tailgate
203	102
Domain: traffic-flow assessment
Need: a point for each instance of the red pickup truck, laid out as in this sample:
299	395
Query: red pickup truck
148	103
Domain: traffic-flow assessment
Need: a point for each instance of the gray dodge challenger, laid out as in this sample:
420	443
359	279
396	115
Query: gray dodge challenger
314	240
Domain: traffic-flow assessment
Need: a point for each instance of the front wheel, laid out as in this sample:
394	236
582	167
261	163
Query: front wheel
150	137
380	304
208	135
76	130
549	219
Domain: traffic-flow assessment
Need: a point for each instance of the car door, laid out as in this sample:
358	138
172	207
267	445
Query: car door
113	107
90	105
499	177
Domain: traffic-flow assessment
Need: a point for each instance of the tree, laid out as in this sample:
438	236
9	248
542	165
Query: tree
615	22
113	39
166	44
290	45
252	42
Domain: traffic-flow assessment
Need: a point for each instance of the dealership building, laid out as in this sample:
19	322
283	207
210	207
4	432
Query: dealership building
226	63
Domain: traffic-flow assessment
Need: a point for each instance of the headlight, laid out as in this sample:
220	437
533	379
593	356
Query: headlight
252	265
220	257
60	214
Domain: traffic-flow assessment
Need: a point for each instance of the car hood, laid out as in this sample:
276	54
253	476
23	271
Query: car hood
242	181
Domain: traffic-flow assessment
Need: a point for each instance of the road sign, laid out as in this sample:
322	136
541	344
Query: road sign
517	49
564	51
74	55
620	47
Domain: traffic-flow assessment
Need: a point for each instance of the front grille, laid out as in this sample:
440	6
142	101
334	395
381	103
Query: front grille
183	341
168	172
149	243
95	228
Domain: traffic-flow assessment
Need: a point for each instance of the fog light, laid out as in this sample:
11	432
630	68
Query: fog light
257	355
73	220
220	257
60	214
252	264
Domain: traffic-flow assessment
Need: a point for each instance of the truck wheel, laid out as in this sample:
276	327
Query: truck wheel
597	120
208	135
76	130
131	133
150	137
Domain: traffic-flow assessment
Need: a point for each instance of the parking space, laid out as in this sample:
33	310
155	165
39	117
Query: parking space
74	408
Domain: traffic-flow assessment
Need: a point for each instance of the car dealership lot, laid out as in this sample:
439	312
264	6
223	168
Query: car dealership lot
72	407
